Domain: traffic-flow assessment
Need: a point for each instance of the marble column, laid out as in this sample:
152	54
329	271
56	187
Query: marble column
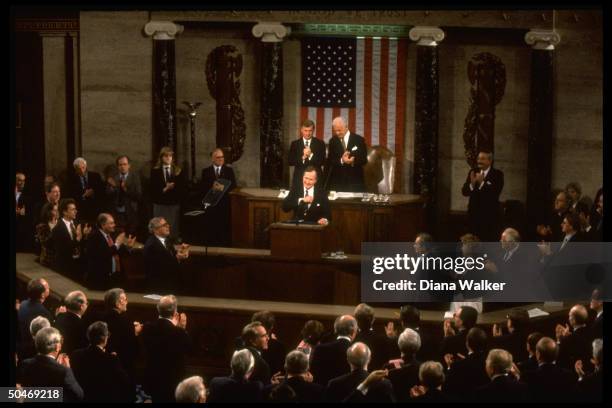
164	83
540	138
271	122
426	115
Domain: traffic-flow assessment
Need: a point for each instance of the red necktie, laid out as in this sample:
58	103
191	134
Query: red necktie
110	243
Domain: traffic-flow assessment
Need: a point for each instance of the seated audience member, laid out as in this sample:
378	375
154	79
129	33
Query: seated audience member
308	201
98	372
517	322
38	291
311	336
550	230
49	368
549	382
343	388
124	192
299	379
328	360
123	340
407	375
87	189
255	338
574	340
161	259
454	337
380	345
67	240
503	386
28	347
276	351
531	363
166	342
49	218
597	305
191	390
238	387
590	385
466	374
574	192
70	323
431	376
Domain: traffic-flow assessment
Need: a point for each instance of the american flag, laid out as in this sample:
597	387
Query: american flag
363	80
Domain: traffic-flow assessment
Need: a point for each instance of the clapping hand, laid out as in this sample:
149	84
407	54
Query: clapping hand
88	193
277	378
306	153
63	359
390	329
137	328
169	186
417	391
448	328
497	330
182	321
562	331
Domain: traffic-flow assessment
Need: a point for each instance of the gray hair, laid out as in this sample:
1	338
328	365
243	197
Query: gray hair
155	223
409	342
46	340
97	332
37	324
78	161
512	234
242	363
358	355
345	325
166	307
598	351
431	374
499	361
111	297
339	120
296	362
74	300
190	390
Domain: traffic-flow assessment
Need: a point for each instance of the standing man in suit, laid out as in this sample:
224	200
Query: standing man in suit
52	196
574	340
124	192
161	258
23	215
217	225
255	338
167	189
70	323
328	360
237	387
406	376
483	186
597	305
464	375
103	263
67	238
166	343
306	151
347	155
87	189
504	386
308	201
455	337
49	368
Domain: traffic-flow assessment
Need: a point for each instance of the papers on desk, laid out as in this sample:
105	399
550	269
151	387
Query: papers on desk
536	312
342	194
283	193
152	297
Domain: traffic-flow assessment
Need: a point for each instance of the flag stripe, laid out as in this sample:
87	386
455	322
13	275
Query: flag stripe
401	111
359	88
384	83
320	121
367	92
351	118
304	114
391	93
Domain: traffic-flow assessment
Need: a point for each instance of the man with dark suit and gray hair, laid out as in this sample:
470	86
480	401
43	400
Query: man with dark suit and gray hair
504	385
300	379
191	390
237	387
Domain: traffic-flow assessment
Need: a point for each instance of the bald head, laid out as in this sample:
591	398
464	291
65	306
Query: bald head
578	316
167	306
339	126
358	356
546	350
346	325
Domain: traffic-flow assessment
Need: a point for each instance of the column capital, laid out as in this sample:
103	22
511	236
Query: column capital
542	39
426	35
270	31
162	30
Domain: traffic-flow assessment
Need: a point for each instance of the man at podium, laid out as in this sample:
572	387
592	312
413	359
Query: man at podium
308	201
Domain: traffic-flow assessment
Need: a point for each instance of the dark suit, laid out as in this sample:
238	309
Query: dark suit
230	389
43	371
576	346
123	340
99	275
344	388
295	159
403	379
529	364
483	207
101	376
433	396
165	346
550	383
514	343
216	223
275	355
590	389
464	376
73	329
24	231
89	207
346	177
161	265
158	183
454	344
328	360
65	247
319	208
306	391
125	205
28	310
379	345
261	371
597	327
504	388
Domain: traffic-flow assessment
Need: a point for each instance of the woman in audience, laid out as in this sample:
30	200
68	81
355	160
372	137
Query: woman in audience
311	336
50	215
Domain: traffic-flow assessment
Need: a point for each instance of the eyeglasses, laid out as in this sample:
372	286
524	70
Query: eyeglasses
165	224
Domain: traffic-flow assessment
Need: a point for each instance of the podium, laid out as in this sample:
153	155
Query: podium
299	241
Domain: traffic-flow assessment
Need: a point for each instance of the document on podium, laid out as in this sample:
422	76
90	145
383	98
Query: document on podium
214	195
